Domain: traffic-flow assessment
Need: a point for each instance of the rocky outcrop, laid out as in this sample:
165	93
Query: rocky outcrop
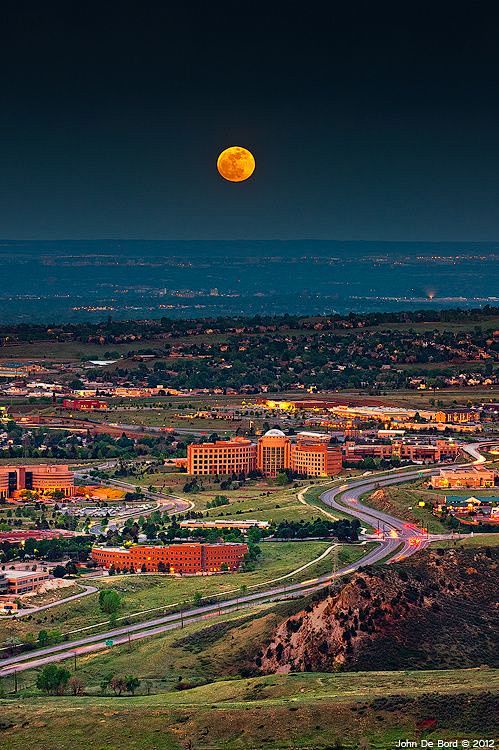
435	610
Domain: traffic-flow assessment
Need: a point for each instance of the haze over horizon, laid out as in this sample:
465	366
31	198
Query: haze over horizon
89	280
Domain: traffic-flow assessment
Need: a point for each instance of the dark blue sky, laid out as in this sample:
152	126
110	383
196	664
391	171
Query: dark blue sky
376	121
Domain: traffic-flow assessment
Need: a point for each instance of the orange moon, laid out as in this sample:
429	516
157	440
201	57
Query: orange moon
236	164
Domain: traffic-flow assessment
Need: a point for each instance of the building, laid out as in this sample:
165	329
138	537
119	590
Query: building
12	371
457	416
469	510
41	478
313	437
402	450
8	605
274	453
144	392
224	457
84	404
209	523
188	559
23	581
316	459
470	427
310	456
465	503
19	536
471	477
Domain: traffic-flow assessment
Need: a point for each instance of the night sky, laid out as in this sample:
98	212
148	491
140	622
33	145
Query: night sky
380	121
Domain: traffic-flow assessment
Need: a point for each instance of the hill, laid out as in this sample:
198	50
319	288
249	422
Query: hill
307	711
434	611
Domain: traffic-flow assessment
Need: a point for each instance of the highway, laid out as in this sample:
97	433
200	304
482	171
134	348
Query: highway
396	541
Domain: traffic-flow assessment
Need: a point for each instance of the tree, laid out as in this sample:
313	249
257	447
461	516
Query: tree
58	495
132	683
76	685
43	638
71	568
197	598
104	683
109	601
117	684
53	679
59	571
49	637
282	479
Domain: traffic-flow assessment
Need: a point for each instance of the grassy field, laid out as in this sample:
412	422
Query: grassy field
257	499
308	711
402	502
165	416
477	540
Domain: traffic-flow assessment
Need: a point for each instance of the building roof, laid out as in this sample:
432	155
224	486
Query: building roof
465	499
274	433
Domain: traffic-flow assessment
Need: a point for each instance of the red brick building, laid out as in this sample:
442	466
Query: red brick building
20	535
189	559
84	404
311	456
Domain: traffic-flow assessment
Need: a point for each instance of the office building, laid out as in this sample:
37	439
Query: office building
188	558
43	479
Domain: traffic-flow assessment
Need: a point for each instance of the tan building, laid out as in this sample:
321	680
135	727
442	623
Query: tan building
311	456
471	477
316	459
41	478
457	416
274	453
313	437
208	523
225	457
22	581
405	451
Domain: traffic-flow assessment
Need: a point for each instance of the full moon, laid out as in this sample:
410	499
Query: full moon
236	164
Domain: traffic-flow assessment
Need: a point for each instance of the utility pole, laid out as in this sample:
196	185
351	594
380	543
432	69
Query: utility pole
129	641
181	618
74	655
335	559
15	681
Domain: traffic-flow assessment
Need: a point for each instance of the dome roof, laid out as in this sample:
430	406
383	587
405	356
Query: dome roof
274	433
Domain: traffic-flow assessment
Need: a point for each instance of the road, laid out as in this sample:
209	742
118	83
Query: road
163	502
33	610
396	541
347	500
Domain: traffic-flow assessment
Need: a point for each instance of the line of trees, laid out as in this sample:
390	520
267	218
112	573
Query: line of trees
55	680
344	530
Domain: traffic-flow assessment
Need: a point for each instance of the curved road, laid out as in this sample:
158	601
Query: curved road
396	541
